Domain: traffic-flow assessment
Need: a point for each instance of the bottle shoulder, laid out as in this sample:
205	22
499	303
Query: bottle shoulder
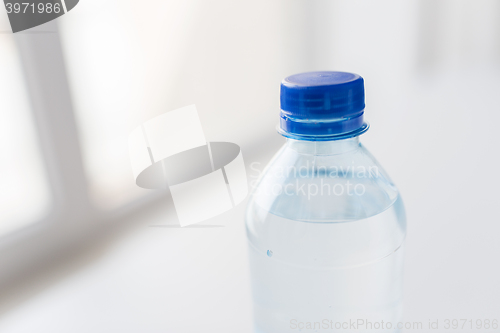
320	183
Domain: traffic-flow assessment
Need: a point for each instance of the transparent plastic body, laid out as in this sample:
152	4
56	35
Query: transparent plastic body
326	228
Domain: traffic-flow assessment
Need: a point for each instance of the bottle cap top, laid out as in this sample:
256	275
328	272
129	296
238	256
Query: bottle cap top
322	106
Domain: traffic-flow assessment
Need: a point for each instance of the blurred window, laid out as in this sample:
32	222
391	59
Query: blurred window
24	189
114	76
127	63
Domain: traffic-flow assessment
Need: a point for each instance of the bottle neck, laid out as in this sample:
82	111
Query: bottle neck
333	147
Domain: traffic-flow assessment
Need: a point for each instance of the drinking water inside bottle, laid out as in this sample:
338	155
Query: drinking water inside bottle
326	273
325	239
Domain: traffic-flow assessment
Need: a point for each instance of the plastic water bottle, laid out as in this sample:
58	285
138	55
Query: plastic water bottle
325	223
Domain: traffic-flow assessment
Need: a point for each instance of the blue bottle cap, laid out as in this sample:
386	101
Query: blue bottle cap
322	106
